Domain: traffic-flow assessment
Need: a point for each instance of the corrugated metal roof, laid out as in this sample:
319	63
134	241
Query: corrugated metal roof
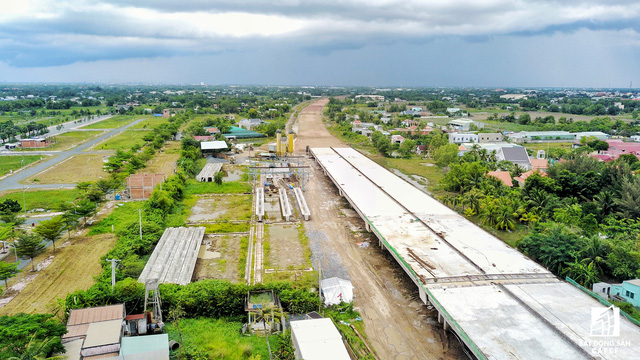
96	314
75	331
318	339
152	347
213	145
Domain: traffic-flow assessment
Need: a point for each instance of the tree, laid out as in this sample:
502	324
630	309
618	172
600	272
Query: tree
446	155
23	334
267	314
217	178
30	245
84	209
406	148
629	201
8	270
51	230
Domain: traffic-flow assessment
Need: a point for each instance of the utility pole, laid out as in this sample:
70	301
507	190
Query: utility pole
140	221
113	271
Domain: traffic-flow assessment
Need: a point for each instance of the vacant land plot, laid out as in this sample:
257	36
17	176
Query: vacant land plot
68	140
43	199
84	167
222	209
220	258
150	123
8	163
75	264
220	339
162	163
548	145
194	187
123	141
282	247
113	122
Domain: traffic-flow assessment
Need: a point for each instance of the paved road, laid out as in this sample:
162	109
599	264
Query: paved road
11	182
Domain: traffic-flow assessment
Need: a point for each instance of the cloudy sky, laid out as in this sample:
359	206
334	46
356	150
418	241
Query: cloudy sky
314	42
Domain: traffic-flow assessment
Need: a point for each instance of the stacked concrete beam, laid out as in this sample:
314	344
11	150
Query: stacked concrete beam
285	205
209	171
302	203
174	258
260	203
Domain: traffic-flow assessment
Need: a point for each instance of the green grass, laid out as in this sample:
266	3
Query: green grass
149	123
242	260
238	208
232	187
8	163
413	166
113	122
347	315
123	141
226	227
304	241
44	199
266	247
548	145
219	339
120	217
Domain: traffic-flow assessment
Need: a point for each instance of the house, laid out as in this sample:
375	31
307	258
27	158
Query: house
249	124
619	147
516	155
459	138
635	138
420	149
490	137
629	290
409	122
453	110
397	139
212	130
523	178
539	164
463	124
317	339
417	109
601	288
385	119
94	333
503	176
602	157
204	138
35	143
140	186
149	347
166	113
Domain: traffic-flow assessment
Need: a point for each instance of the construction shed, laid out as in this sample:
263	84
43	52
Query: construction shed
240	133
211	146
208	172
336	290
150	347
317	339
174	258
140	186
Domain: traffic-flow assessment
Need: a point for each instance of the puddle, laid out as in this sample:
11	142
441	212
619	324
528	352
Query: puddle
206	251
204	210
234	175
272	208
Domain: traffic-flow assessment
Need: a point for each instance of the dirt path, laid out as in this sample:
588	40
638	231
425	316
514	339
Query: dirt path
397	324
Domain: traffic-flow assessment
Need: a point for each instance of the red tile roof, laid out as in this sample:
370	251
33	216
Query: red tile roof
539	163
503	176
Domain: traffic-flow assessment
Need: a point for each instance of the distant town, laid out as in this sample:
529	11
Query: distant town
316	222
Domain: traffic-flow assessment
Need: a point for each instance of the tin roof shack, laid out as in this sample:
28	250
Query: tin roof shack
317	339
96	332
140	186
264	304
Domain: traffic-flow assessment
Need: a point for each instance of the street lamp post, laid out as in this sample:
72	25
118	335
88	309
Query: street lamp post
24	201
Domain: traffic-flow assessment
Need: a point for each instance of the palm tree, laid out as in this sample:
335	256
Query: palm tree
473	198
37	350
606	202
583	274
594	253
267	314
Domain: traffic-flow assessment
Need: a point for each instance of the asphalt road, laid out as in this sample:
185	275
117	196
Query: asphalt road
11	182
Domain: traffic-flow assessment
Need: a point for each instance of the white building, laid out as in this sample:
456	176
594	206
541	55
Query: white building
317	339
459	138
635	138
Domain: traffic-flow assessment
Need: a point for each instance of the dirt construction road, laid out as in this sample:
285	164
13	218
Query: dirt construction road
397	324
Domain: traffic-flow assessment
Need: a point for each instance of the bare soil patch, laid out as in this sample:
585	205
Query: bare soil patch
218	258
285	249
221	208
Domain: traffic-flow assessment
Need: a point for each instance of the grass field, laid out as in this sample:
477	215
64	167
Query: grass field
150	123
8	163
548	145
113	122
220	339
69	140
43	199
164	162
73	269
122	141
84	167
194	187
